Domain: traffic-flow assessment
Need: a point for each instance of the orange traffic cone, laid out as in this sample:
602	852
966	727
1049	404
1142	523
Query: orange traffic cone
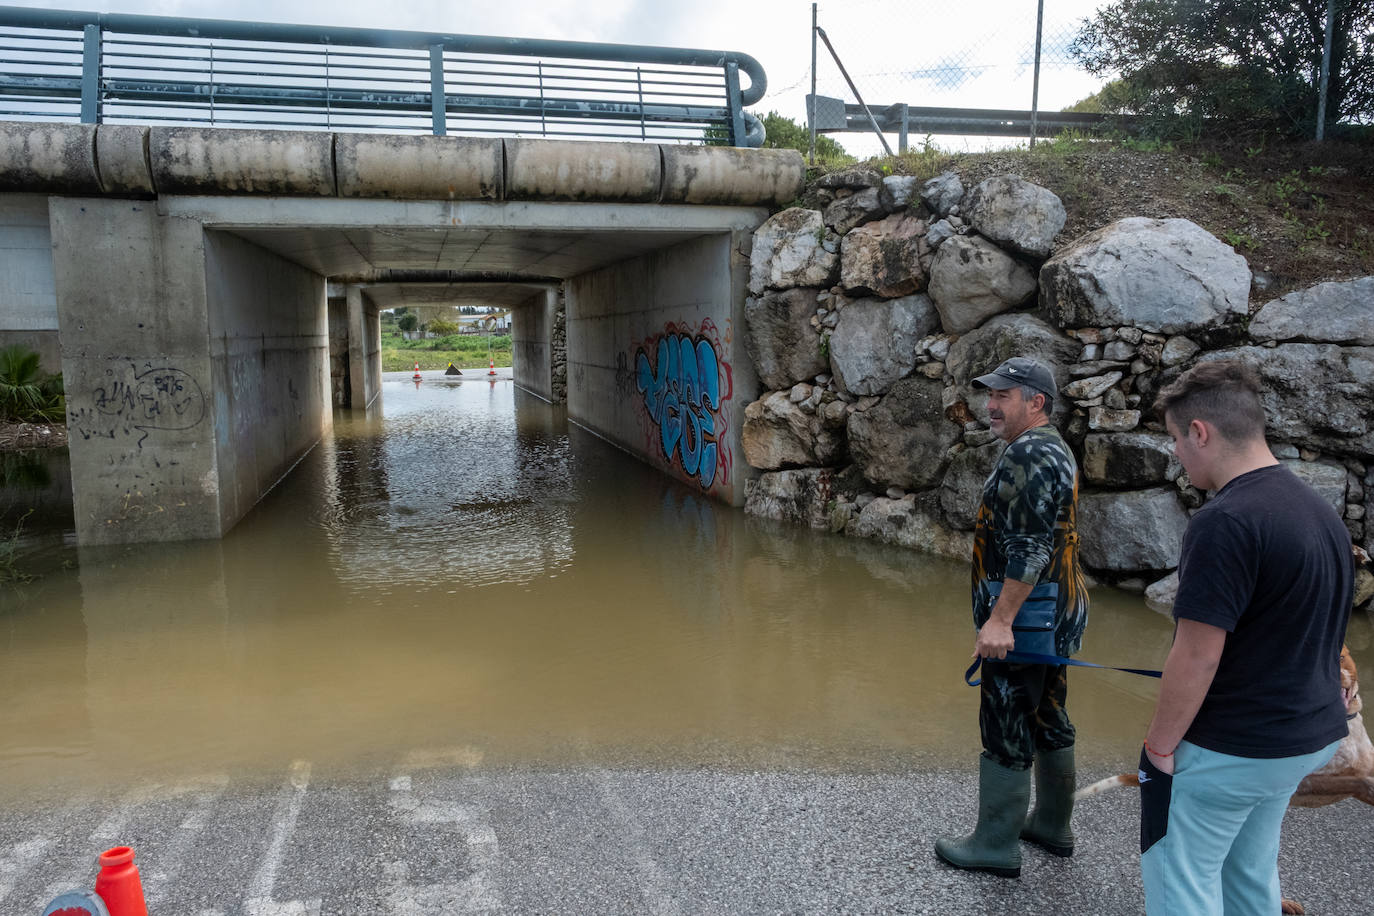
493	366
118	884
416	376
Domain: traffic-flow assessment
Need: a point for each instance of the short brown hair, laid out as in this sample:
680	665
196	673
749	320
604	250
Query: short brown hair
1224	393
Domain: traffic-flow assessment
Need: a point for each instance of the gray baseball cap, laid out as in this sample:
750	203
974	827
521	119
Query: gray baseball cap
1017	371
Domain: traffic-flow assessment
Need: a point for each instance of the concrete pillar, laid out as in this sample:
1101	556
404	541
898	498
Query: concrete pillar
196	367
364	349
532	327
339	393
656	360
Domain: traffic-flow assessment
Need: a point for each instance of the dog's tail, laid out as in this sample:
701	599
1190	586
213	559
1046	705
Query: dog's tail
1119	781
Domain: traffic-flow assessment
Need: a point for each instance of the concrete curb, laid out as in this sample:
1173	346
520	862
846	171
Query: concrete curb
137	161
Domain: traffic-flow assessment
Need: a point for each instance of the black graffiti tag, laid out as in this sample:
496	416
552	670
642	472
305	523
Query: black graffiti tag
164	398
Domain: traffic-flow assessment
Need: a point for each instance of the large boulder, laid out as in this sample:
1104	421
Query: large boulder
1328	480
1016	214
943	193
899	192
1134	459
779	433
874	341
800	496
847	212
1005	336
913	521
793	248
1325	313
972	279
961	492
885	258
1131	530
1169	276
1317	395
904	439
779	337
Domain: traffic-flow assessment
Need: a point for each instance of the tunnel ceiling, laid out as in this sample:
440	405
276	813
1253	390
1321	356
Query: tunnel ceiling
502	295
523	252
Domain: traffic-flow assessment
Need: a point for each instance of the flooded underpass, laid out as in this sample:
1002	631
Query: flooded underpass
467	567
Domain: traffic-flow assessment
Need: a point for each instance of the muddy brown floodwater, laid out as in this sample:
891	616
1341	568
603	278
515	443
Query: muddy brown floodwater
467	568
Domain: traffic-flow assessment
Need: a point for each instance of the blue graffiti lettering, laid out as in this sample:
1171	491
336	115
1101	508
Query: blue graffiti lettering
679	396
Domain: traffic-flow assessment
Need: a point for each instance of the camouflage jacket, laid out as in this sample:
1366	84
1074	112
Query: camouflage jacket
1027	530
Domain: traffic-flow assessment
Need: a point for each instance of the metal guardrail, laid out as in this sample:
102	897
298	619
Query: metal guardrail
110	68
834	116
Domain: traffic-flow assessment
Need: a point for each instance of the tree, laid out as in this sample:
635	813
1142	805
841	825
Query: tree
443	328
407	322
1252	64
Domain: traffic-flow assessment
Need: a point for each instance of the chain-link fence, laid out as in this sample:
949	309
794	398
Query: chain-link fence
976	54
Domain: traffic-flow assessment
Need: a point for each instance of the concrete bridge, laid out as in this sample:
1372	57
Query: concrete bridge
195	283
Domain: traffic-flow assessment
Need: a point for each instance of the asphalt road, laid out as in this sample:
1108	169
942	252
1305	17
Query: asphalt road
443	832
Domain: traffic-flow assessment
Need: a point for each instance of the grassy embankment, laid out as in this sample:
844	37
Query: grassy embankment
466	351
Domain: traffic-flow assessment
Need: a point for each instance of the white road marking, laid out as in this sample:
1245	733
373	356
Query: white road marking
206	791
654	884
477	893
258	901
18	860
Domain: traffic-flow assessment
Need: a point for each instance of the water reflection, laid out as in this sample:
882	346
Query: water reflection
465	567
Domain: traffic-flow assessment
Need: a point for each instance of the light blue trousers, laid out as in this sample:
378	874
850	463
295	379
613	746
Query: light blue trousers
1220	854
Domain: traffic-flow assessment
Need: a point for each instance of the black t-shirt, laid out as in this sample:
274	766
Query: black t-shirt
1270	562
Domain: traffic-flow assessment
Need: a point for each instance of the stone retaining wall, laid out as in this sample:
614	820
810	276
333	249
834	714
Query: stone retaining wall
873	308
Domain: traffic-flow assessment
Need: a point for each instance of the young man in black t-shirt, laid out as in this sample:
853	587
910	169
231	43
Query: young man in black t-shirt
1250	702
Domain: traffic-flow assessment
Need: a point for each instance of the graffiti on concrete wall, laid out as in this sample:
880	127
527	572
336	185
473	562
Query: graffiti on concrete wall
138	401
686	390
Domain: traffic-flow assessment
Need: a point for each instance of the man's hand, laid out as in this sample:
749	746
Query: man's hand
1163	764
995	640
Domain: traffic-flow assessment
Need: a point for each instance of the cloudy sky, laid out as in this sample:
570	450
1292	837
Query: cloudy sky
973	53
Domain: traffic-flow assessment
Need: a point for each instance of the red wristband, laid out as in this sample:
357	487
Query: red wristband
1157	753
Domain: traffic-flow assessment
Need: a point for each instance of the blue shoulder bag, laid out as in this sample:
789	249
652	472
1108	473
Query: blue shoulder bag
1033	628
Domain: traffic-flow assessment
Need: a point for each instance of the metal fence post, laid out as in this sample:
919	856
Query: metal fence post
904	128
733	100
1326	69
811	109
1035	86
438	106
90	75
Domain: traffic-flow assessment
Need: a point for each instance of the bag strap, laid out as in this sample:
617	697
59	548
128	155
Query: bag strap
1035	658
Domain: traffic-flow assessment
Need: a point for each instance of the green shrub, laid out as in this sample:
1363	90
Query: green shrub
26	394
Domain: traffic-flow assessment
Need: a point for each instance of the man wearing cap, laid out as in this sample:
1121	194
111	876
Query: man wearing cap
1025	539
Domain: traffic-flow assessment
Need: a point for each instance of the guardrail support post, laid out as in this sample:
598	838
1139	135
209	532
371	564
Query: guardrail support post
438	100
733	100
904	128
90	75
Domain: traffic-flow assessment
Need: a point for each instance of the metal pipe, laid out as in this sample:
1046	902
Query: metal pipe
1326	69
1035	86
854	89
22	17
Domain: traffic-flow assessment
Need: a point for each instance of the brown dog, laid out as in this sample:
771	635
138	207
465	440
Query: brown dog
1350	774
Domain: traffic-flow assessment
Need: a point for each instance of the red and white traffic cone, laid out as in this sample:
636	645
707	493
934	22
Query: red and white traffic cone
416	376
493	366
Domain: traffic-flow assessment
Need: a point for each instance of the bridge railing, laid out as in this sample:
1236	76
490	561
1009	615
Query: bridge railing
109	68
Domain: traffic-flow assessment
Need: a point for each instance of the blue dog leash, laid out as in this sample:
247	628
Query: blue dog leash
1035	658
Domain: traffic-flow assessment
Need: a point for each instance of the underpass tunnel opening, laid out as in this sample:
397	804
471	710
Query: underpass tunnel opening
639	333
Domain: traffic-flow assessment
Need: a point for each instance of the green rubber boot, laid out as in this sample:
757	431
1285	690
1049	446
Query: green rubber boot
1003	795
1048	825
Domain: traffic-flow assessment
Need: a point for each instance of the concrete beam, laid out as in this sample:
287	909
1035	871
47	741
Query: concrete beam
141	161
418	168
